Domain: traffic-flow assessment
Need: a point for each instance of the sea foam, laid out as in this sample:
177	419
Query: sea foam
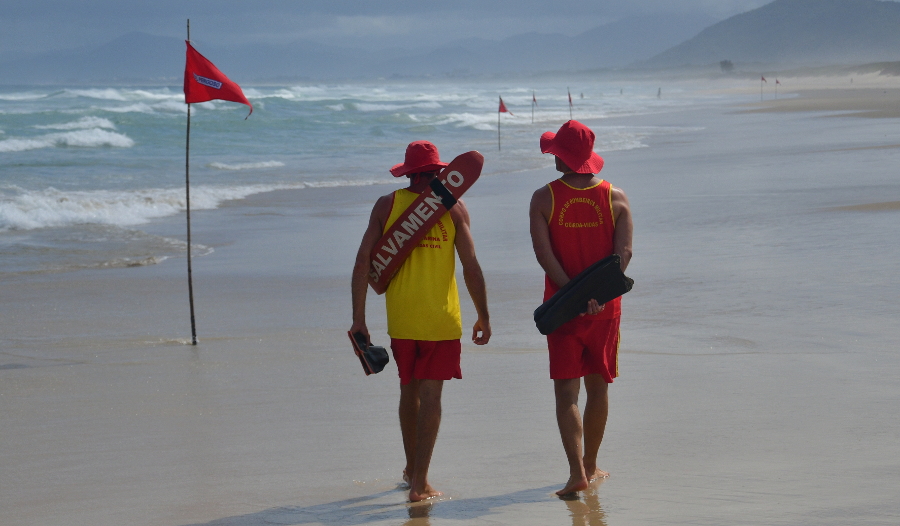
246	166
23	96
27	210
81	124
84	138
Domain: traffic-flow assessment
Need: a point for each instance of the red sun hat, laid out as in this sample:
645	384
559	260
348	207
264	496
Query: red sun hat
574	144
421	156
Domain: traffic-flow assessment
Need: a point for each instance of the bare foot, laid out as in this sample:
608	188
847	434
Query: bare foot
427	493
405	483
597	474
575	483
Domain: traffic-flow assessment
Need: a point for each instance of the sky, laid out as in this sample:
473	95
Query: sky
35	26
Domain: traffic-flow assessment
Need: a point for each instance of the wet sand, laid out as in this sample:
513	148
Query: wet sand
873	103
758	369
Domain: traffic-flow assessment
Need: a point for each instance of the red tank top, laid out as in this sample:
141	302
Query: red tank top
581	233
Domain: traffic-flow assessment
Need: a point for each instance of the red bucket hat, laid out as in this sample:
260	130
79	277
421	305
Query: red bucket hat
574	144
421	156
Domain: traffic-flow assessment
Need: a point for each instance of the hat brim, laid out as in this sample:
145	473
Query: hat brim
593	164
399	170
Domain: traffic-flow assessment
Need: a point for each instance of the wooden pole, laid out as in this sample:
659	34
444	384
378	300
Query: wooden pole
187	201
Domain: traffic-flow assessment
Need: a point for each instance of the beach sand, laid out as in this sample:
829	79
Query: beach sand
858	102
758	368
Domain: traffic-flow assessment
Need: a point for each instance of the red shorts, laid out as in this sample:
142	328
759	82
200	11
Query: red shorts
584	346
426	360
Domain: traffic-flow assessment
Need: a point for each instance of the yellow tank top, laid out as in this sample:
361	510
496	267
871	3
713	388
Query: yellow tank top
422	300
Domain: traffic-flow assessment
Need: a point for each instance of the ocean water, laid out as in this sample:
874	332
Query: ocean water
82	170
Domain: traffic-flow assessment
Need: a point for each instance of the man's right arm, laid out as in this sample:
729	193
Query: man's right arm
359	283
539	215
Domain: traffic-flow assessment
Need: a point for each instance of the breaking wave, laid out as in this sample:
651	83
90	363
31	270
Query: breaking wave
81	124
83	138
27	210
122	95
246	166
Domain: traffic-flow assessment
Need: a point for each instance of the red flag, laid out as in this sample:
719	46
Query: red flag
502	108
763	79
203	81
533	100
777	81
570	98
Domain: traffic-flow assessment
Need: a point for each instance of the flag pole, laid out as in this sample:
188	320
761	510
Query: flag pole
498	125
187	201
570	103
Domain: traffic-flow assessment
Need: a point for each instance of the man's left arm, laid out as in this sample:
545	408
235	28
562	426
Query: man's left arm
465	247
621	210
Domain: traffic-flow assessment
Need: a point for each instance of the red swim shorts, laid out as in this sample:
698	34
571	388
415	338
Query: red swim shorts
585	346
426	360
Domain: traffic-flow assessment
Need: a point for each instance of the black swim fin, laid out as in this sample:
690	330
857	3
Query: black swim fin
603	281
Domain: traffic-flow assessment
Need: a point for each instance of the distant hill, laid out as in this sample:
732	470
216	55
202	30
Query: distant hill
609	46
793	32
139	57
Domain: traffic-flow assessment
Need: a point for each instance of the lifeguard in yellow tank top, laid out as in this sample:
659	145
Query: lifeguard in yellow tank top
422	306
422	303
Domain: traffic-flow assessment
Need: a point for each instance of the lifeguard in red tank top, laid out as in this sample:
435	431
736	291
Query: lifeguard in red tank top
581	233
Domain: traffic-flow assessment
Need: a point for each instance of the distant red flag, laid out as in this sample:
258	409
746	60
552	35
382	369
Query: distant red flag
502	108
763	79
203	81
533	100
570	98
777	81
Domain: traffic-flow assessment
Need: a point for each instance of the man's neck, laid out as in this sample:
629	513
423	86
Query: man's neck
579	180
419	184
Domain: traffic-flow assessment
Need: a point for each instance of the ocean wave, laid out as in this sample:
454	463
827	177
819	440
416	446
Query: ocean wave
126	262
396	94
620	138
124	95
90	138
55	208
363	106
167	106
24	96
29	209
478	121
246	166
80	124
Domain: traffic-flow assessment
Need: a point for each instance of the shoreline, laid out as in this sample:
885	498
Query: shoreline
864	102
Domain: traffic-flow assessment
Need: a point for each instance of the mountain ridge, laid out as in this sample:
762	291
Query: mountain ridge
791	32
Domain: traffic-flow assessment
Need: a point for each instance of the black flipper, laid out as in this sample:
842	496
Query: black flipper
602	281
